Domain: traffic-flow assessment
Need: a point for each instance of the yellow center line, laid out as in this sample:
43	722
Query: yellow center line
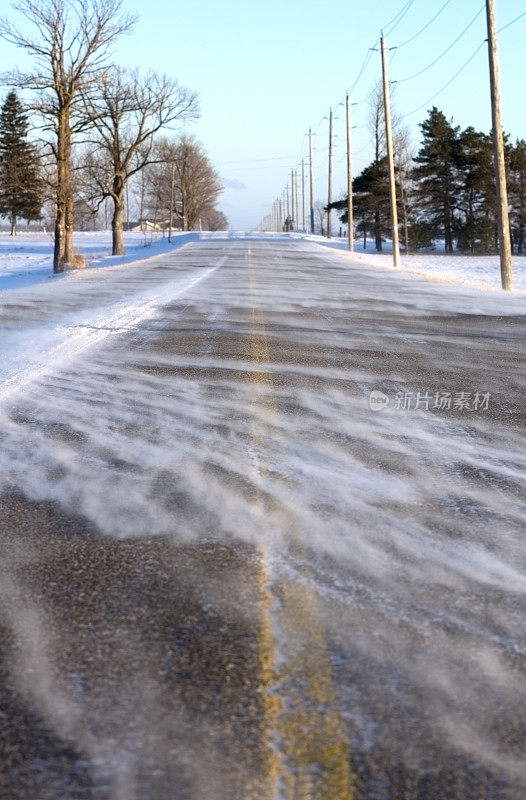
303	705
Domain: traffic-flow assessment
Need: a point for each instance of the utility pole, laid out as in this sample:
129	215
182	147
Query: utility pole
293	220
172	192
390	154
296	203
311	184
506	270
127	205
329	189
350	221
280	216
303	194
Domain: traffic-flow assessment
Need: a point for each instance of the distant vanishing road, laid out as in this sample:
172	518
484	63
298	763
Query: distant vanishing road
261	532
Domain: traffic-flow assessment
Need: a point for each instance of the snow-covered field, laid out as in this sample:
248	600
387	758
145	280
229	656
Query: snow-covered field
477	272
26	259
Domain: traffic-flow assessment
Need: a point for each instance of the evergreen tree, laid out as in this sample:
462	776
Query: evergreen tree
370	202
20	183
449	193
517	194
436	175
476	192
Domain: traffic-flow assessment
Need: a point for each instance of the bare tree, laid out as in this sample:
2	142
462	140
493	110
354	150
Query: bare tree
377	121
71	46
404	167
214	220
196	184
127	110
320	216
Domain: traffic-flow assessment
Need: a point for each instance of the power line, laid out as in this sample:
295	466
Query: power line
426	26
365	146
512	22
365	64
401	17
255	160
319	154
436	60
251	169
398	18
450	81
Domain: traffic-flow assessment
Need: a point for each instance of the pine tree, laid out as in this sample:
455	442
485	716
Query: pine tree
371	202
436	175
517	194
20	183
476	192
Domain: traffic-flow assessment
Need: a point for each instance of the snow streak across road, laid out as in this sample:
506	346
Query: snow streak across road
262	532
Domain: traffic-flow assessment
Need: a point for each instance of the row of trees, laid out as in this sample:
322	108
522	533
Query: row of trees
99	127
446	191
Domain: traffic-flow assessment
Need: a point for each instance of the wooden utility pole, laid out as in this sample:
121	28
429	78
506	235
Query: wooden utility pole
329	188
127	205
303	194
293	209
293	201
506	270
172	193
390	154
280	216
297	205
311	184
350	221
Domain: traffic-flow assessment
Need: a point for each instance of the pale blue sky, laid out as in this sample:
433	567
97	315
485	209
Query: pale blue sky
267	70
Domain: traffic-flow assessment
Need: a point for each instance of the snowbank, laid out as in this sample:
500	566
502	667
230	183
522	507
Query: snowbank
27	259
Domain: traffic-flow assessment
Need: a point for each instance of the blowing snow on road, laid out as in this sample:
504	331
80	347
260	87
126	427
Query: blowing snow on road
262	531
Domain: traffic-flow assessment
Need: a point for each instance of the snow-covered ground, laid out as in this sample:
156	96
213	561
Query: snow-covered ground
478	272
26	259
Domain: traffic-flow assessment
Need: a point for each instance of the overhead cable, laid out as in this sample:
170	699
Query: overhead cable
426	26
450	81
389	28
512	22
444	52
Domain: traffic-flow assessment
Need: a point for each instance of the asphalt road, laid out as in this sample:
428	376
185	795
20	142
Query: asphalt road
224	574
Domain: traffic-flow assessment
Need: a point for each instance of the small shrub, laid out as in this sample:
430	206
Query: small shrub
78	261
